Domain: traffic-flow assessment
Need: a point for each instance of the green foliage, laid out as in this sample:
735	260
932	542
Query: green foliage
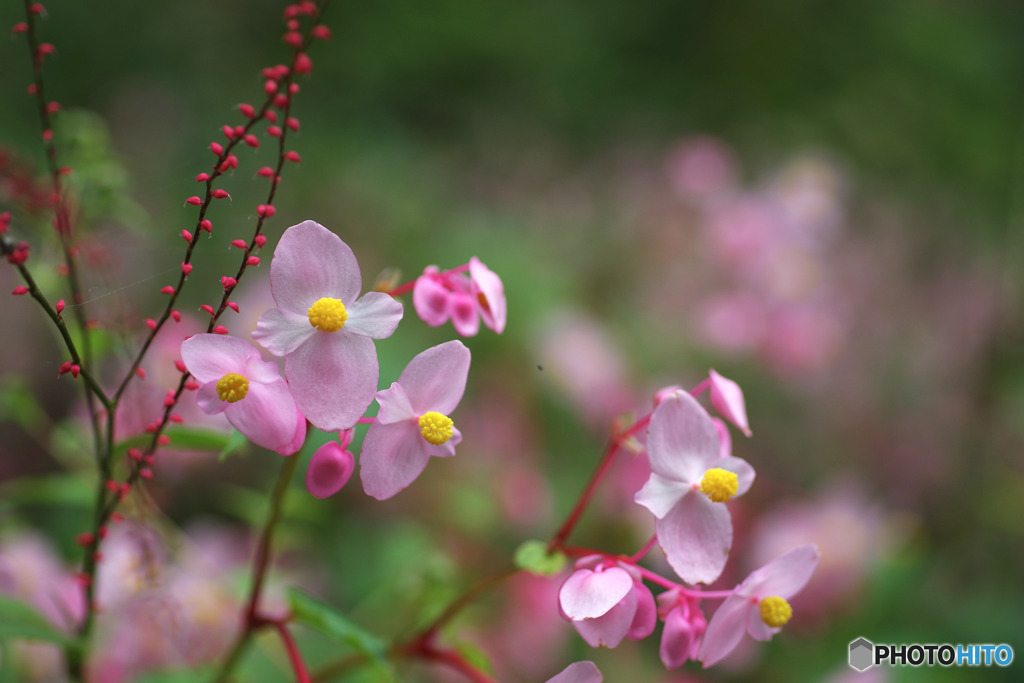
18	620
309	611
533	556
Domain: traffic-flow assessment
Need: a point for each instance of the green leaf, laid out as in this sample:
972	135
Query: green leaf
309	611
176	676
19	620
236	444
533	556
182	438
56	489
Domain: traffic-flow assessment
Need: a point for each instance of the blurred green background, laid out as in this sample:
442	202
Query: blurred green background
545	138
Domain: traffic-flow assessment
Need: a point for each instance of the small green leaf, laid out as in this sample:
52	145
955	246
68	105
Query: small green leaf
19	620
309	611
236	444
533	556
182	438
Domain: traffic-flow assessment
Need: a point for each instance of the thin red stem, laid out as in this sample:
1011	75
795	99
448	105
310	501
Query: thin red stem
294	656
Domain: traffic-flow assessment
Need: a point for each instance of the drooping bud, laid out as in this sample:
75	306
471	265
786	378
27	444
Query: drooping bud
217	148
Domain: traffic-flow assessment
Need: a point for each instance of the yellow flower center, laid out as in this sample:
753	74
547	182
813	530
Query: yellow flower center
719	485
435	427
327	314
232	387
775	611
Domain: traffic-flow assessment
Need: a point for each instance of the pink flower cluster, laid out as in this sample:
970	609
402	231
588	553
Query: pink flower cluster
693	475
324	331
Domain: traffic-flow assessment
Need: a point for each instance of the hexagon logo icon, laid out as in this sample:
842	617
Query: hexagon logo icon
862	654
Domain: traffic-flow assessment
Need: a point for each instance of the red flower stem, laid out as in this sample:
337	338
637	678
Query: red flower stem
294	656
409	286
618	439
464	600
456	661
251	618
643	551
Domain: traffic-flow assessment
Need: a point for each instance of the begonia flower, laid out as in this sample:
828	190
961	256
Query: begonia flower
578	672
413	422
442	296
323	328
727	398
684	627
759	605
249	391
330	467
688	486
607	601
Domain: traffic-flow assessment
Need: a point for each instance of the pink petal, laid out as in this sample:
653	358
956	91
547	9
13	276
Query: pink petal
724	438
281	332
609	629
329	470
374	315
258	370
447	449
725	630
588	594
211	356
436	378
267	415
394	405
680	639
430	299
578	672
298	439
465	317
682	441
311	262
209	401
784	576
489	293
659	495
333	377
646	617
392	457
727	398
756	627
696	537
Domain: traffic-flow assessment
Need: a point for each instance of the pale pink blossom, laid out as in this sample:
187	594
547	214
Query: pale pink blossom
607	601
323	328
578	672
330	468
249	391
684	627
755	604
442	296
413	422
689	483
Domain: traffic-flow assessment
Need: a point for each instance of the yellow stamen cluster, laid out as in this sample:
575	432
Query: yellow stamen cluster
232	387
775	611
328	315
435	427
719	485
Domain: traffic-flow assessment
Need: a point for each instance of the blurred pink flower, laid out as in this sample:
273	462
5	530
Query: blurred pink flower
248	390
439	296
688	485
758	605
607	601
322	328
700	166
413	422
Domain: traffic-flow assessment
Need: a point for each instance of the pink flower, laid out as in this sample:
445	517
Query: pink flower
727	398
578	672
248	390
323	328
607	601
758	605
330	468
688	485
413	422
684	627
438	297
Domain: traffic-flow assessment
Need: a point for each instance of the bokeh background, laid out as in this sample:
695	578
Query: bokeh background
820	200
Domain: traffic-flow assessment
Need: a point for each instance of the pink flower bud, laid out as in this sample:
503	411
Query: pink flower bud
241	244
232	161
293	123
191	385
253	260
59	307
206	225
261	239
186	235
217	148
194	201
265	172
47	135
37	8
75	369
292	24
266	210
321	32
220	329
176	316
207	307
84	539
176	418
220	194
19	290
252	140
280	100
292	156
274	131
180	366
293	89
228	282
167	290
303	64
186	268
150	323
233	306
141	373
247	110
20	27
271	116
293	38
52	107
228	131
64	367
146	473
270	87
202	177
